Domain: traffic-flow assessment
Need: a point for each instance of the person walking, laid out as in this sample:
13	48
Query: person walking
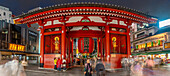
64	65
150	63
59	64
55	63
136	69
100	69
24	63
88	68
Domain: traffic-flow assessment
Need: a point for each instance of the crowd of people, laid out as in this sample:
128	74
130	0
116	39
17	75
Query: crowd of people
140	67
94	64
60	64
90	66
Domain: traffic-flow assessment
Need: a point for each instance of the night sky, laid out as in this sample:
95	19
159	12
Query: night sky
158	8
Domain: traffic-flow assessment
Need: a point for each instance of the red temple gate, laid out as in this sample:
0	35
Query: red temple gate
59	24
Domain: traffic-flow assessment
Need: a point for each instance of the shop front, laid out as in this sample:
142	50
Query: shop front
16	50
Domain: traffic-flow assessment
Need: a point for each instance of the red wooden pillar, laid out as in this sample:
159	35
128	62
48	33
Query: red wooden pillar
72	49
129	22
128	43
63	42
69	49
101	47
98	47
107	37
42	48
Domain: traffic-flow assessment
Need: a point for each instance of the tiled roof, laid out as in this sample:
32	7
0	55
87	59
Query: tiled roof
84	4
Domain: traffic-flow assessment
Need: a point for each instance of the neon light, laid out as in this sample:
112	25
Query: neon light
164	23
16	47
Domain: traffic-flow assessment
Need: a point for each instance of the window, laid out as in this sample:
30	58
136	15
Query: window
150	34
141	34
122	30
141	46
52	29
149	44
9	15
4	13
113	29
15	34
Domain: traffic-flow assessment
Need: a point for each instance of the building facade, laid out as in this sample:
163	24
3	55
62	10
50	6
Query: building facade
18	41
5	14
155	45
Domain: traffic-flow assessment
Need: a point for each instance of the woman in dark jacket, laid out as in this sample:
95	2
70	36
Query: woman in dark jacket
88	68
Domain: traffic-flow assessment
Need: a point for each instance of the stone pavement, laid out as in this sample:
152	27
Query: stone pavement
32	70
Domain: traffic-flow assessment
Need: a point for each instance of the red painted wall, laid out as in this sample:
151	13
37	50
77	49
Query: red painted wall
50	43
121	44
116	60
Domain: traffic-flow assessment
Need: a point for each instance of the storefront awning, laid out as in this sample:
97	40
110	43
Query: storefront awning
155	52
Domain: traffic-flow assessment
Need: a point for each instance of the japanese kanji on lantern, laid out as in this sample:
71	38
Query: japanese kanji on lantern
85	45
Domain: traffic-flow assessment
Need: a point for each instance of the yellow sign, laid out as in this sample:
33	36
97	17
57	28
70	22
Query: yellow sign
15	21
167	45
16	47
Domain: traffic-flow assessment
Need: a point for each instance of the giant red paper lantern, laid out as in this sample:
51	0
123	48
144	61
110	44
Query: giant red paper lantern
85	45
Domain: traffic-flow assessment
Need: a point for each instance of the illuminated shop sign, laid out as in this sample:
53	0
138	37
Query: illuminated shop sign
16	47
167	45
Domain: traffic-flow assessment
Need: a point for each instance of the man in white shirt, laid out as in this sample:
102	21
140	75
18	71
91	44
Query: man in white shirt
64	64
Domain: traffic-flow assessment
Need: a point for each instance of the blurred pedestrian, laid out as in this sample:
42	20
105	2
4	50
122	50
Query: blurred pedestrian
64	64
24	63
100	69
12	68
95	62
136	69
59	64
55	64
157	62
150	63
88	68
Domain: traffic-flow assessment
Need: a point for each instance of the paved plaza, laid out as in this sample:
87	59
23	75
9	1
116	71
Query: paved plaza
34	71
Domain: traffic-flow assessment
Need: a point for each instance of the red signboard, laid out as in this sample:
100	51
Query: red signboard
85	45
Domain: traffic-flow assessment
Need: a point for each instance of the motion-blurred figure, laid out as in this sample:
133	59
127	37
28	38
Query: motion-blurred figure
12	68
24	63
64	64
100	69
136	69
157	62
150	63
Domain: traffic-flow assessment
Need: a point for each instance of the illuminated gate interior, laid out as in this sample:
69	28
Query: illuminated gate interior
61	25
